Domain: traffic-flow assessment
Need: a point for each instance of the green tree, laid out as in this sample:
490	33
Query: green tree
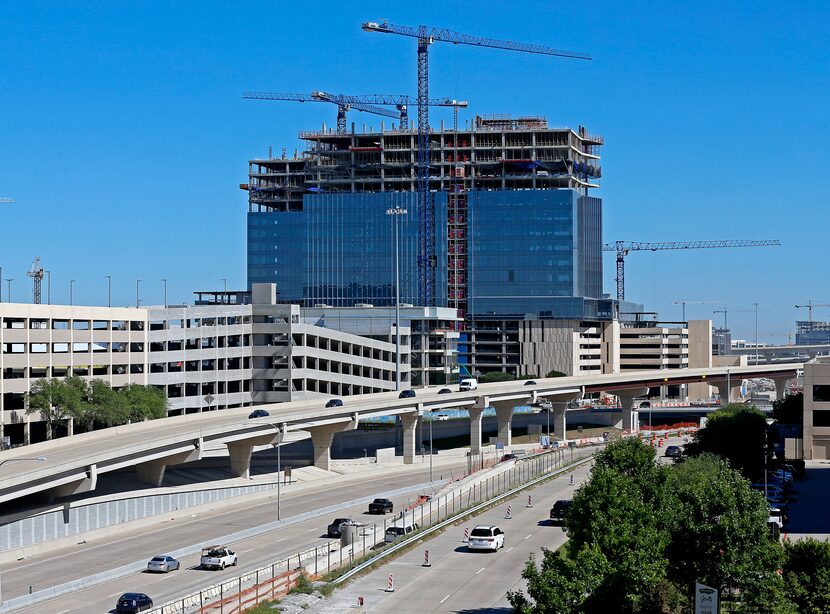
143	402
737	433
556	373
621	511
526	376
789	410
43	398
718	528
560	585
106	406
496	376
807	575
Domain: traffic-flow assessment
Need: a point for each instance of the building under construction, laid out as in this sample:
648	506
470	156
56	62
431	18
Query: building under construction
516	233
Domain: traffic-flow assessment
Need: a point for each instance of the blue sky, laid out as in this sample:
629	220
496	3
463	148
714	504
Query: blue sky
123	135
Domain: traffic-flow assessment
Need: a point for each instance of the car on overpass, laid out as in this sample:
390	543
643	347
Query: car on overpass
381	506
333	530
258	413
407	394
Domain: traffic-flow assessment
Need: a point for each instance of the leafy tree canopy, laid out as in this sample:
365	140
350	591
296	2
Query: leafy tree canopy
496	376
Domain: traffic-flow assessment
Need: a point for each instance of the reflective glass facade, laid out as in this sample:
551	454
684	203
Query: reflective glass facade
530	251
534	252
340	249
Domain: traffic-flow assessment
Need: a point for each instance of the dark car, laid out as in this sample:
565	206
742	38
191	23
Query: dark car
444	391
133	602
530	382
258	413
559	511
508	457
674	452
381	506
407	394
334	528
335	403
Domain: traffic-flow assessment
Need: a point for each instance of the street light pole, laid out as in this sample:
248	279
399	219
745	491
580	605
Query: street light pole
71	286
164	281
431	420
396	212
109	290
48	287
137	299
756	332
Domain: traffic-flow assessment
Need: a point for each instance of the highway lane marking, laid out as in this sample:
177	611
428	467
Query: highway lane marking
480	570
445	598
510	548
62	611
529	536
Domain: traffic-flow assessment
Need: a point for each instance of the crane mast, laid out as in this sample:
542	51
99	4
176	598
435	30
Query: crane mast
36	272
426	36
623	248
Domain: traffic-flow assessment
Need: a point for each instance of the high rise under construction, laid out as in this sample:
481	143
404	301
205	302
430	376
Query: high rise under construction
516	232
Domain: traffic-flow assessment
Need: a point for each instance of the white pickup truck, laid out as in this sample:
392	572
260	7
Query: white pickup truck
217	557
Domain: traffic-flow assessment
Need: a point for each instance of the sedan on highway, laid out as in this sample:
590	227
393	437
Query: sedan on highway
486	537
258	413
163	564
333	530
133	602
407	394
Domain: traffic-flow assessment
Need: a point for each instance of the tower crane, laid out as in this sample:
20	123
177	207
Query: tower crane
36	273
623	248
371	103
426	36
809	306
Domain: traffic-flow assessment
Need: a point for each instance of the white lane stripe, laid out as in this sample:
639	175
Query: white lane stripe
445	598
529	536
480	570
510	548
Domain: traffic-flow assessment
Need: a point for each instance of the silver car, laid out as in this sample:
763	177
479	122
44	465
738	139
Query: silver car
163	563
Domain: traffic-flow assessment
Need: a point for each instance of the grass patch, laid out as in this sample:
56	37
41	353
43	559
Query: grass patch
266	607
304	586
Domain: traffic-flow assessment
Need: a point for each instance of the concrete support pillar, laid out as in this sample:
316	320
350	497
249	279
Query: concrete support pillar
728	395
86	484
240	453
152	473
631	420
504	416
475	429
27	431
560	423
409	422
780	387
70	427
321	438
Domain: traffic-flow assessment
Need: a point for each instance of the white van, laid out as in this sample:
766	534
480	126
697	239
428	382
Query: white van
467	384
398	530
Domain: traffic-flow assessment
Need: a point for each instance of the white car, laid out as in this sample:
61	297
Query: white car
486	537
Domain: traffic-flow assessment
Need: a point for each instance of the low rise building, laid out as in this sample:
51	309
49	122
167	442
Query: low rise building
817	409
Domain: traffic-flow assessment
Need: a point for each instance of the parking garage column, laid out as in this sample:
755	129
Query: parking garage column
409	422
504	416
780	387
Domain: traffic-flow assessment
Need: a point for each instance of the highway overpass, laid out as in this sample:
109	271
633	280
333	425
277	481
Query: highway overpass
72	464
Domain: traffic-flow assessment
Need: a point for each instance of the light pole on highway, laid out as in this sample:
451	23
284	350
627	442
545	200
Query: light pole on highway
71	287
431	420
756	332
396	212
109	290
16	460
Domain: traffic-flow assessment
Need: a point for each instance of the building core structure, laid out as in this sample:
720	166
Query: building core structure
517	233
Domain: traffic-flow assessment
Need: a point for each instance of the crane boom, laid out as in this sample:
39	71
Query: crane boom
456	38
426	35
624	247
365	103
809	307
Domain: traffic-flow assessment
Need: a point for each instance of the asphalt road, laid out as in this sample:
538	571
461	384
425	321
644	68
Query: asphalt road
129	546
460	580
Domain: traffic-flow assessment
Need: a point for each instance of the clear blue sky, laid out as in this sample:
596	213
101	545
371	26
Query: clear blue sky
123	136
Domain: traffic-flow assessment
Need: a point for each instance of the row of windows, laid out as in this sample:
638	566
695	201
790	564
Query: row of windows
55	324
199	322
63	348
64	371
